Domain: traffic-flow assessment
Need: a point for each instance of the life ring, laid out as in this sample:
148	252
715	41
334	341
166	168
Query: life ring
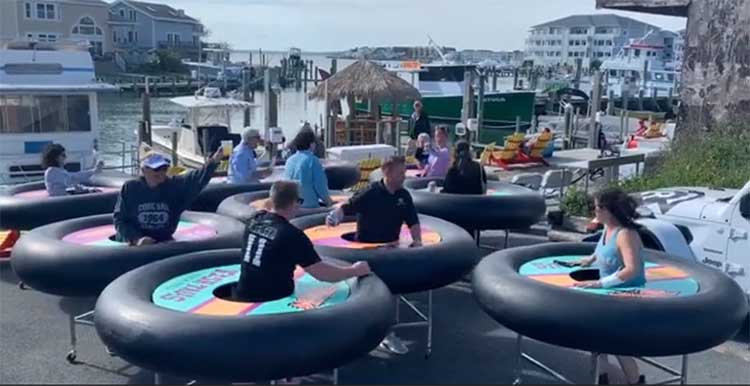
244	206
78	257
27	206
166	317
505	206
684	307
448	252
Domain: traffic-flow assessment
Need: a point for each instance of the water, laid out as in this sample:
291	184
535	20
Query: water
119	114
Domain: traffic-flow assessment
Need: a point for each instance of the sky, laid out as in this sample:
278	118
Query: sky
335	25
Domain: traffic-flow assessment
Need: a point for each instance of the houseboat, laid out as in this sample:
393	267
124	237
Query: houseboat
48	93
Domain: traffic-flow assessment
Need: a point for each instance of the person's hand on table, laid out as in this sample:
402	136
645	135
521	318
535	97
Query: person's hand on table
334	217
586	262
218	155
588	284
361	268
145	240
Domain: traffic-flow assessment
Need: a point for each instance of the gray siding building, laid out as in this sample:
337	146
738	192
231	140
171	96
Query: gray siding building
144	26
588	37
52	21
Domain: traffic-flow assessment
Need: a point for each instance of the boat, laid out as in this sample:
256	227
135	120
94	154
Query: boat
442	89
207	122
642	65
48	93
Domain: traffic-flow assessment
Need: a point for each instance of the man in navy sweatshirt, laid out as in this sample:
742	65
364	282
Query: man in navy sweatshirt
149	208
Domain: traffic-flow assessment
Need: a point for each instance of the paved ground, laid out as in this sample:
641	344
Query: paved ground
469	347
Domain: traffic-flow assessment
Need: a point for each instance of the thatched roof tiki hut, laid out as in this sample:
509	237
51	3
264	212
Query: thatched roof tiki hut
367	81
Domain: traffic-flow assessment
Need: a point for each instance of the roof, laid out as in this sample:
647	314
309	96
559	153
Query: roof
609	20
160	11
196	102
658	7
367	80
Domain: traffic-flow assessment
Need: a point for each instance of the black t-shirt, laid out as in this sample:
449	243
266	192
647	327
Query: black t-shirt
471	182
271	250
380	214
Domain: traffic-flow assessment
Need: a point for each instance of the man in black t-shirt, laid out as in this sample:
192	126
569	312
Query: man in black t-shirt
273	247
382	208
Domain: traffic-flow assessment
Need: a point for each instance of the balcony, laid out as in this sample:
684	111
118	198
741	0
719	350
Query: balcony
185	46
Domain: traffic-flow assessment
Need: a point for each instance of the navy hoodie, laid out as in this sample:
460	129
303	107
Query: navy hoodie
154	212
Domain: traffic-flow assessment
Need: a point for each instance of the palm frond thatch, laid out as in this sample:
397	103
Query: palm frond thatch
367	80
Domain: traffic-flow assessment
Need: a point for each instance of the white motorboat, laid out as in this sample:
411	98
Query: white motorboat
207	122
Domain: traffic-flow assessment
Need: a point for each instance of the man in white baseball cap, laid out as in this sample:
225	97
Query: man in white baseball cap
149	208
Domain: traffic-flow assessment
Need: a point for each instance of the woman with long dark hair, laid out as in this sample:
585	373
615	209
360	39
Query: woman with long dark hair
305	168
619	258
465	176
56	179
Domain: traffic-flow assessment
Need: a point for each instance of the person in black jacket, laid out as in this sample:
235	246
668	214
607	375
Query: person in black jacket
149	208
419	122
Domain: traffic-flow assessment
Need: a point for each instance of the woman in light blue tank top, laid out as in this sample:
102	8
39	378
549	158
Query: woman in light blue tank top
619	258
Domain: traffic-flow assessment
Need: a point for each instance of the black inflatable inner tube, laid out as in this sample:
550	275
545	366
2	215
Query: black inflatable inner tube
448	253
244	206
219	189
27	206
684	308
505	206
77	258
341	175
233	341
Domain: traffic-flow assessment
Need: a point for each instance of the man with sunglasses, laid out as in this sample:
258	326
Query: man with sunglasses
149	208
273	247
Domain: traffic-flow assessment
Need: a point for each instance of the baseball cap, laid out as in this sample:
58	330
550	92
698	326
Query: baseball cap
155	161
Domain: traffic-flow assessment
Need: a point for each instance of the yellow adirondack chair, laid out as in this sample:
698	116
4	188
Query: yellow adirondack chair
366	166
540	145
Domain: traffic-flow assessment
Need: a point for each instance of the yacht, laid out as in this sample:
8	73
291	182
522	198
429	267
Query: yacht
48	93
207	122
642	65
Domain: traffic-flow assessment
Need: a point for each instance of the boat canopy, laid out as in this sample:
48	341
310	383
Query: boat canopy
201	102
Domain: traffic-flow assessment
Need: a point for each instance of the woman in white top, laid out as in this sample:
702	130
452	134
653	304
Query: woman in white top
56	179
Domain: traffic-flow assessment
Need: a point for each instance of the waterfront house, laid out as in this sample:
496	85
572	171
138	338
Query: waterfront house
591	38
139	27
56	20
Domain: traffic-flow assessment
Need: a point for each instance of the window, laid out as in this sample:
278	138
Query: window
122	13
637	53
114	36
131	14
78	113
135	36
602	30
579	31
44	114
44	11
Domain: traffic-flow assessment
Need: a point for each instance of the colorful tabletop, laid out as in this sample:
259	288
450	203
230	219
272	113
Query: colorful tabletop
333	237
662	280
194	293
100	236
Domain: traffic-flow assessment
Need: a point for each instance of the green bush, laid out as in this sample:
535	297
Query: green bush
717	159
576	202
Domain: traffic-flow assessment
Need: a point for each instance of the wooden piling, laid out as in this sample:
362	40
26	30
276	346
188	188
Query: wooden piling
640	99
